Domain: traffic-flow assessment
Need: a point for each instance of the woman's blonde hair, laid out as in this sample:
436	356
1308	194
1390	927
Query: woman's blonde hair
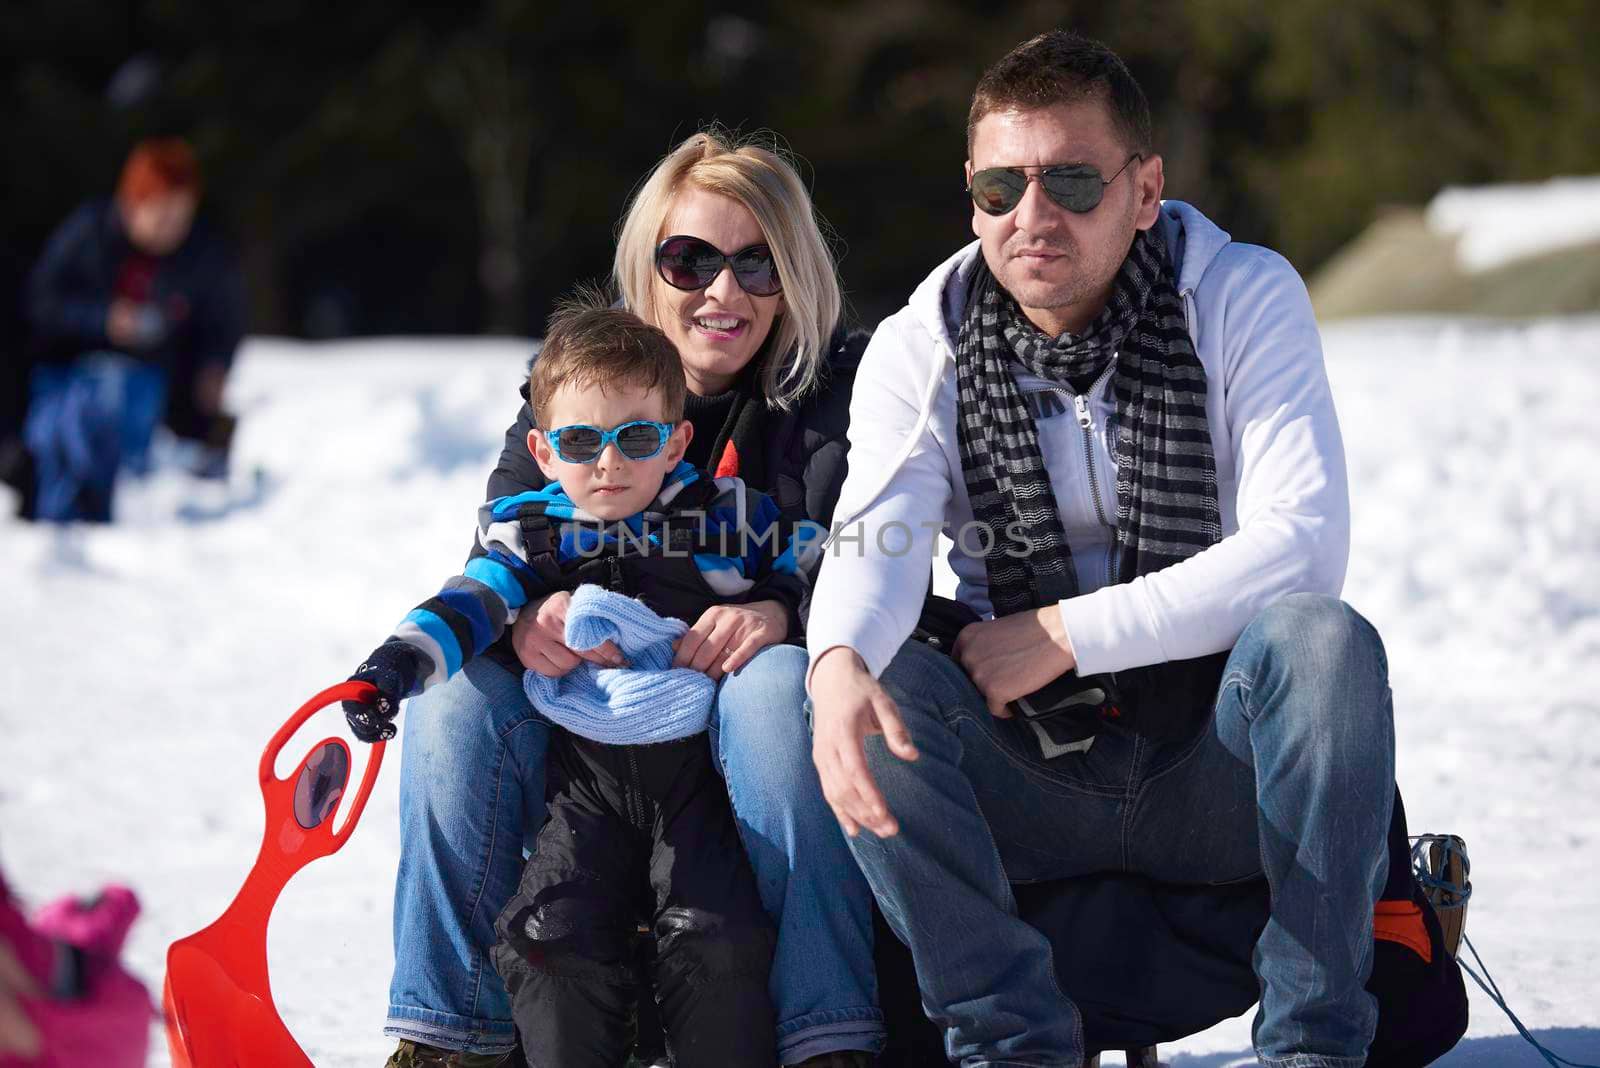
755	173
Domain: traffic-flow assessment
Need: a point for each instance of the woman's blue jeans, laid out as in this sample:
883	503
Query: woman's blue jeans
824	984
1294	777
472	795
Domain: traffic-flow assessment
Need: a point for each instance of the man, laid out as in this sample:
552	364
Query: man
1122	419
135	311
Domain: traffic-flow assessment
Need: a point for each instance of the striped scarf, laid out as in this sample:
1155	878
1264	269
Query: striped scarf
1166	472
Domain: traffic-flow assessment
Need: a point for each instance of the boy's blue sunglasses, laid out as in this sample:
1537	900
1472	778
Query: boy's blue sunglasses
583	444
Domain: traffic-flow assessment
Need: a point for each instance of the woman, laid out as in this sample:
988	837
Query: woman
721	249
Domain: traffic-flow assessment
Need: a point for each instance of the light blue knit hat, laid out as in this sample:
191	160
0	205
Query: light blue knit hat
647	701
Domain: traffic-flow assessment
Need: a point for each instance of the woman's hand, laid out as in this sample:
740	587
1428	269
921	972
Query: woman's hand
725	638
539	635
17	1033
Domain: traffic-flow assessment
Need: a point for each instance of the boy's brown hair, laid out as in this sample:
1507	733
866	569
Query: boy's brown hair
587	344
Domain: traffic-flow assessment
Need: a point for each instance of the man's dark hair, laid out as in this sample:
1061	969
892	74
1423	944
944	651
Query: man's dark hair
1062	67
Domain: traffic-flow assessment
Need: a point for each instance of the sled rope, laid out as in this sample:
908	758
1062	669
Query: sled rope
1493	990
1455	895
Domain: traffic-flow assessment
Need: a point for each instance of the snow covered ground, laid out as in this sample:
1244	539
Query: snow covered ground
147	663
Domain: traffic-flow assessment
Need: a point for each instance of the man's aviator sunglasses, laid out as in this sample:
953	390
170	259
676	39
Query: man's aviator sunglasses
1077	187
583	444
689	263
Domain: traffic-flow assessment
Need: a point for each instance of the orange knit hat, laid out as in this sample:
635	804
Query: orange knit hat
158	166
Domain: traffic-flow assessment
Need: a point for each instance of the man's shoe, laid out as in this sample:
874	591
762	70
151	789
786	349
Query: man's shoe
416	1055
843	1058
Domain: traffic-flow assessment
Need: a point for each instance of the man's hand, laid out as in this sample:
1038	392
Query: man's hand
539	638
847	704
725	638
1013	656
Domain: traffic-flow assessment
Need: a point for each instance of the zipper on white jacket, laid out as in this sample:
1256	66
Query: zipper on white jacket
1080	405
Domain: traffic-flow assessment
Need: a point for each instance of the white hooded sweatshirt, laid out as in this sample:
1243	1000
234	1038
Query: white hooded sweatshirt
1279	457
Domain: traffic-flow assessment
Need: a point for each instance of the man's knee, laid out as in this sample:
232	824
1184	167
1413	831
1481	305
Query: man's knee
1323	668
1317	636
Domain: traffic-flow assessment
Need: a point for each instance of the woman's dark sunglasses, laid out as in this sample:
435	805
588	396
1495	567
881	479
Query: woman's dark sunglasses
583	444
689	263
1078	188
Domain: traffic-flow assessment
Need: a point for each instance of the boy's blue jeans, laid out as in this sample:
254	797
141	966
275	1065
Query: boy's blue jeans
472	795
1294	777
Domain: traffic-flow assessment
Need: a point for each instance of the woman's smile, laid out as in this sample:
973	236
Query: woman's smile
720	327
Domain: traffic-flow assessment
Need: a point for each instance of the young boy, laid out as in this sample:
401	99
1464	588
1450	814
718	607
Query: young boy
639	821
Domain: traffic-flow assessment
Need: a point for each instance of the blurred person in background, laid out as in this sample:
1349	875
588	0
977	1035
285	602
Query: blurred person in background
722	250
133	314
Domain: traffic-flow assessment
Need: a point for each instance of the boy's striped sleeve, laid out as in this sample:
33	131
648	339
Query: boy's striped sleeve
473	609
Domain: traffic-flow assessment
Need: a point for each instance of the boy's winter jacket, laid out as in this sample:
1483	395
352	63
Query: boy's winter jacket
701	542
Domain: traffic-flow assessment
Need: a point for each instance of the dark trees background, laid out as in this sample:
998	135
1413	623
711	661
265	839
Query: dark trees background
384	169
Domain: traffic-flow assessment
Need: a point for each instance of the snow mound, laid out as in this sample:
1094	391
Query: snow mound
1498	224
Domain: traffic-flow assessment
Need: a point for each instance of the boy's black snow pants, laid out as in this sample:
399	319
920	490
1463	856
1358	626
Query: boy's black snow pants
639	833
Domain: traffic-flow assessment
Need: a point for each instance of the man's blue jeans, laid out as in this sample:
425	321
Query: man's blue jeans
1294	776
472	795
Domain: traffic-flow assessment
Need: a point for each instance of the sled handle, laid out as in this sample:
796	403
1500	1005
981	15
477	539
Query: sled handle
272	786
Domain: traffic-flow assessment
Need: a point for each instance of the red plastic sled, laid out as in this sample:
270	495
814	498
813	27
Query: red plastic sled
217	997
